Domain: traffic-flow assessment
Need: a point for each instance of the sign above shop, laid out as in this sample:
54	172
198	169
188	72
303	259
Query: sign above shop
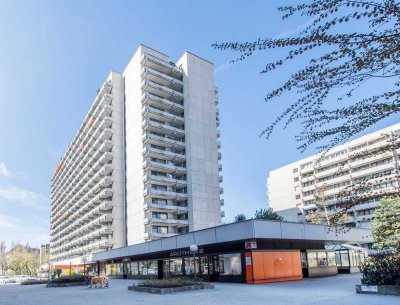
185	252
250	245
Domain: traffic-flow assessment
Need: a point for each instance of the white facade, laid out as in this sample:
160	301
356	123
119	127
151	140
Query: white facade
144	163
363	168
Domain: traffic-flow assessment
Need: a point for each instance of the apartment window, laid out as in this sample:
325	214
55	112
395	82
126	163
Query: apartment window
157	134
296	188
307	165
160	215
305	184
157	147
158	229
308	193
296	179
182	216
295	170
159	160
154	173
297	196
159	187
159	201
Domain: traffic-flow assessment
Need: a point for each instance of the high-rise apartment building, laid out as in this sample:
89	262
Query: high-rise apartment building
144	163
362	170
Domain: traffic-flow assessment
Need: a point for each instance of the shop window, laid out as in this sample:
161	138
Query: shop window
149	267
322	260
312	259
331	259
134	268
230	264
344	256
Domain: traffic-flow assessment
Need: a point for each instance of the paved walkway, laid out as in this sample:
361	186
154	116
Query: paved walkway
326	291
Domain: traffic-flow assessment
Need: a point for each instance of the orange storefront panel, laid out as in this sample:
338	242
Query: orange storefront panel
274	266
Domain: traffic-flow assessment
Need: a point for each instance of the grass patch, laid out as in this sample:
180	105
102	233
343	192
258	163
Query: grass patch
170	283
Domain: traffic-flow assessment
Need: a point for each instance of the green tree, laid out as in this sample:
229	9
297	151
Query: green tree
386	224
348	45
268	214
240	218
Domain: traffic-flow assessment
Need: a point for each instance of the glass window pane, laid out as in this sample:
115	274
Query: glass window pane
331	259
322	261
345	258
312	259
232	264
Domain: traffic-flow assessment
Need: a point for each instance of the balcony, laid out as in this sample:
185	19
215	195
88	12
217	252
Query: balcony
309	207
221	202
161	78
164	128
167	181
161	115
149	192
372	159
331	171
149	151
373	170
160	102
163	222
164	167
160	208
149	138
161	235
160	65
162	91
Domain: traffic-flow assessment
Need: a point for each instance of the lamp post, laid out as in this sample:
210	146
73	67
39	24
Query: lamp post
84	265
194	249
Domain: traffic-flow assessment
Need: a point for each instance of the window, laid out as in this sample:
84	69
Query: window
160	215
295	170
297	196
322	260
312	259
159	187
230	264
159	201
157	229
331	259
296	179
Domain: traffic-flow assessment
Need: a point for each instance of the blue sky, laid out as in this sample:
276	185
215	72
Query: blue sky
55	54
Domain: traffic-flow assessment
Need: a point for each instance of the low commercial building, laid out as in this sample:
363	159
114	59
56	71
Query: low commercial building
253	251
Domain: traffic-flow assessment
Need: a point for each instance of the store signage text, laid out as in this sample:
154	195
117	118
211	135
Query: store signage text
185	253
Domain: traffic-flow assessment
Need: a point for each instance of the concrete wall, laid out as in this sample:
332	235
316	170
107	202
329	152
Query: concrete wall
118	187
201	142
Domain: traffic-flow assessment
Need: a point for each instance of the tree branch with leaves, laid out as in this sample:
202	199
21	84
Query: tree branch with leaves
351	61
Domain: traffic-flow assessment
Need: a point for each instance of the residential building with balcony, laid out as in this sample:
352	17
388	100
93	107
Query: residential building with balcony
357	173
144	163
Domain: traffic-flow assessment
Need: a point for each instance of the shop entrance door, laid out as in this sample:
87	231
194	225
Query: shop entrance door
213	262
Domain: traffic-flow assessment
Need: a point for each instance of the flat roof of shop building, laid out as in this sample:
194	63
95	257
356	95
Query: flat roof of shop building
246	230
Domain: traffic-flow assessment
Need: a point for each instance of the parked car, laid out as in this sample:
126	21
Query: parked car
22	278
6	279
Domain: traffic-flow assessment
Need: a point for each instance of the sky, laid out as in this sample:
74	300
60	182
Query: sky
54	55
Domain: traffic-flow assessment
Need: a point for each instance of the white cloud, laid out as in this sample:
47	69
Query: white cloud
4	170
23	196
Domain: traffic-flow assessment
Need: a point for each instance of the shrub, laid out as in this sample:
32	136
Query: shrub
34	282
169	283
382	269
69	279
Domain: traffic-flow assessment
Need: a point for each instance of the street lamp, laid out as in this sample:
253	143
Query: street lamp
84	265
194	249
